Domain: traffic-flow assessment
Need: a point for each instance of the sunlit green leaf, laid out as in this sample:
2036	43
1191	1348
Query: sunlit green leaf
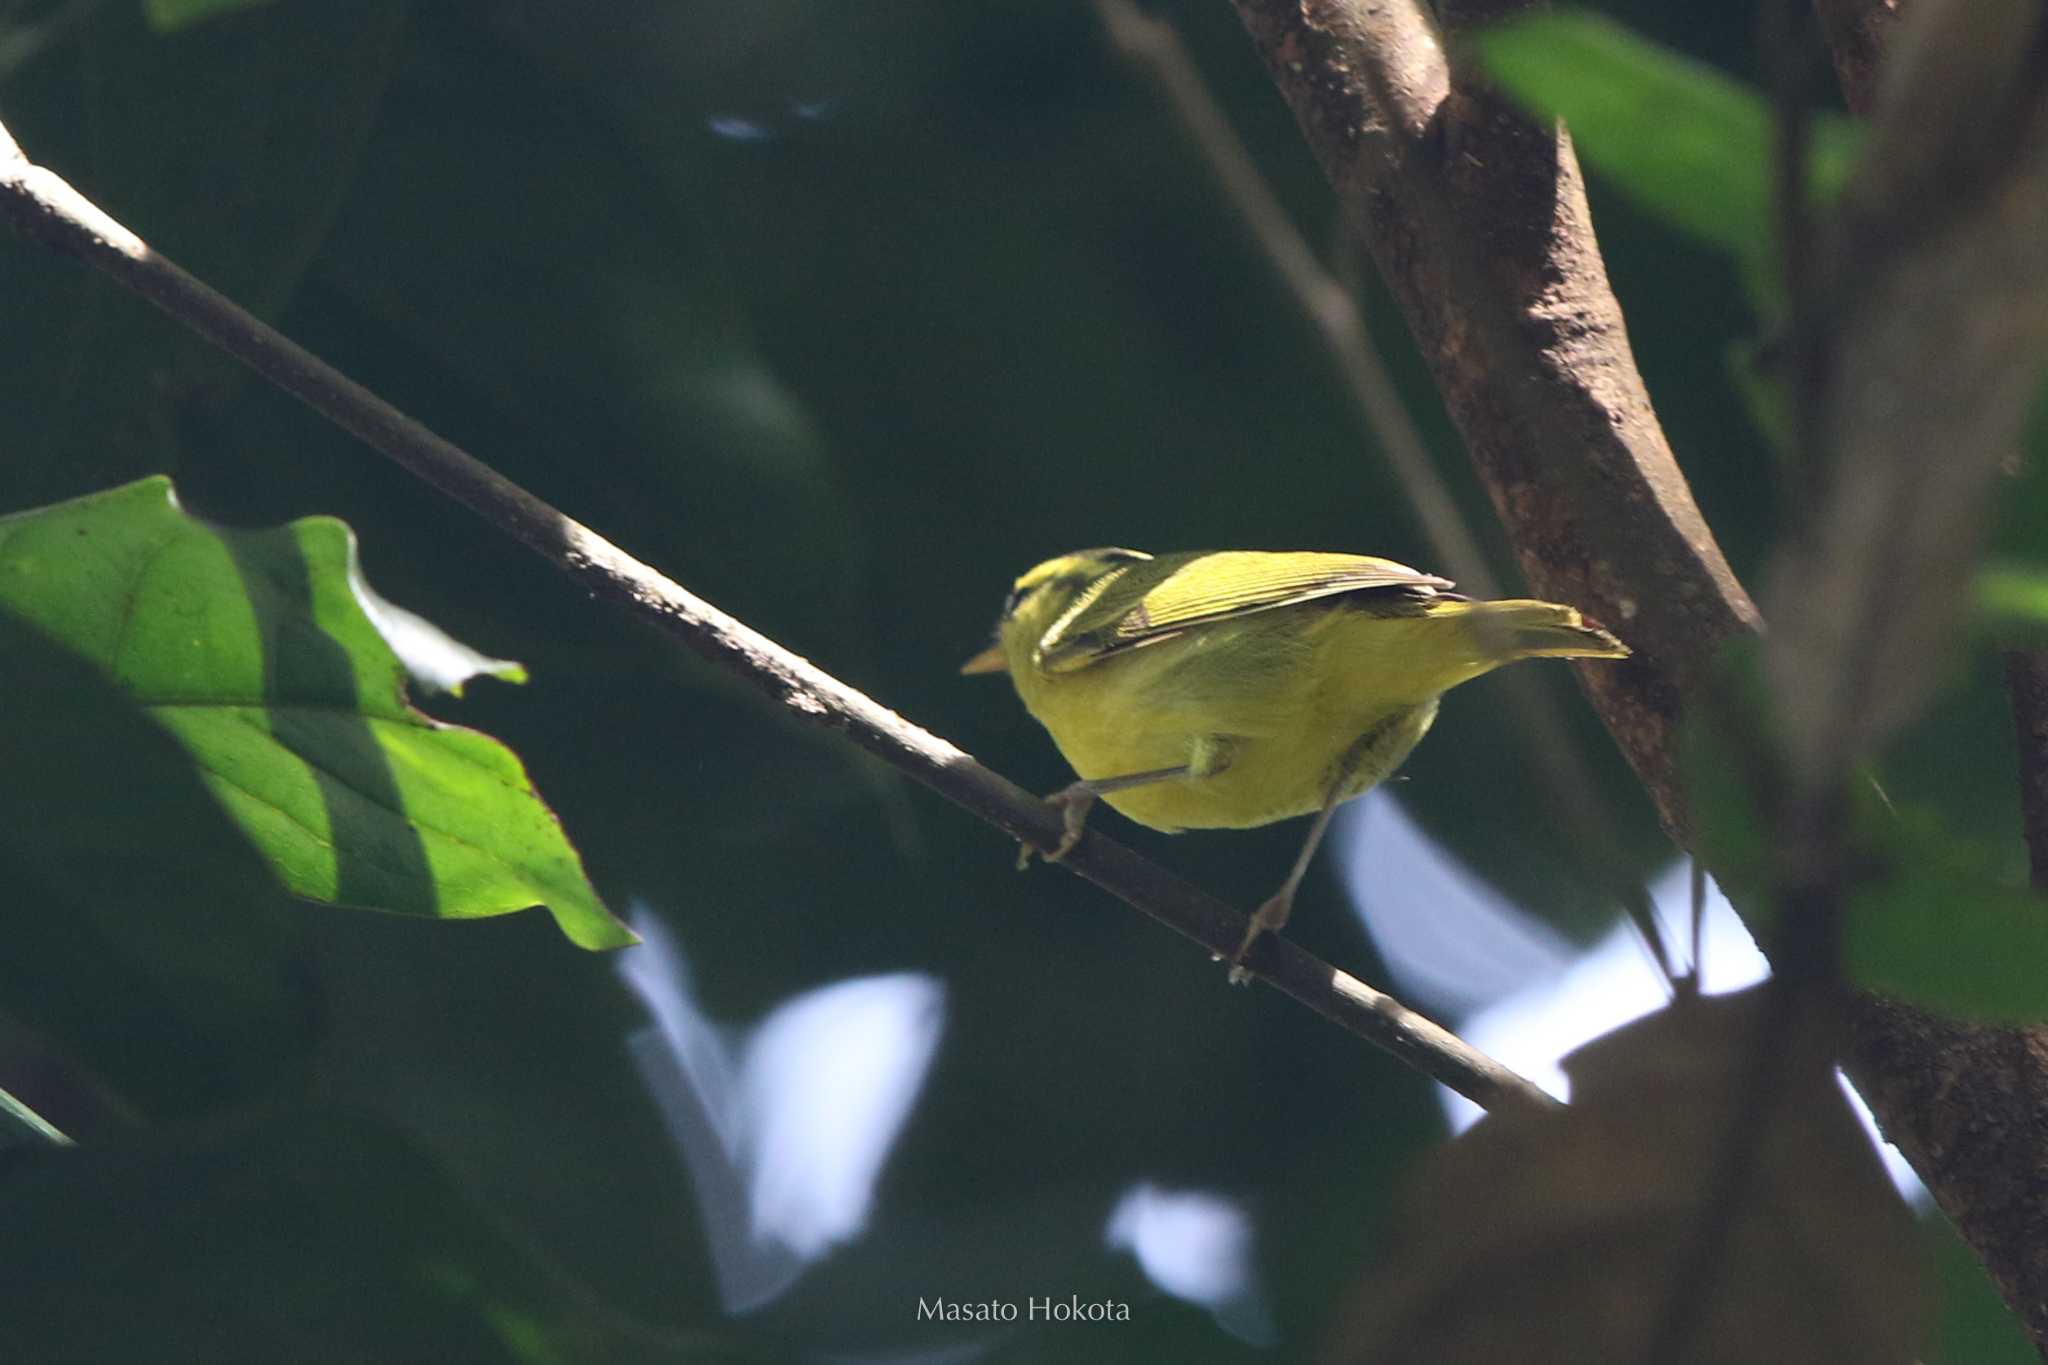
251	650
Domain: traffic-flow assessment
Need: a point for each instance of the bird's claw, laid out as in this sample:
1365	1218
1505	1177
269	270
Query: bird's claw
1074	801
1269	918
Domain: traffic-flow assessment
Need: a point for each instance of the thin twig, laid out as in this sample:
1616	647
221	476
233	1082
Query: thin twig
1696	980
53	212
1154	46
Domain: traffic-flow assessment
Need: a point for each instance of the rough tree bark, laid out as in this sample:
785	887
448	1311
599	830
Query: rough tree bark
1478	222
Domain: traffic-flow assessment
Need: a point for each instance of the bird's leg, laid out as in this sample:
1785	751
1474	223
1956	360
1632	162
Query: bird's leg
1210	755
1076	799
1271	917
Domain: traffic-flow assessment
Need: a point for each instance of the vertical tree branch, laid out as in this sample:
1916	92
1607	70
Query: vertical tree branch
1153	44
1478	222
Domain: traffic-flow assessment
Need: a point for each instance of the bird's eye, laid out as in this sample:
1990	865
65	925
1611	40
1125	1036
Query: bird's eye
1015	599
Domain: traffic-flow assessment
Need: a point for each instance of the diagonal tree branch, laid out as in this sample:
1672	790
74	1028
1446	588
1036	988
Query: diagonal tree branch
42	204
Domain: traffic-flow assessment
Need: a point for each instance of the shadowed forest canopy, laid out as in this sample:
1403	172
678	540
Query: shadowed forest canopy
687	1028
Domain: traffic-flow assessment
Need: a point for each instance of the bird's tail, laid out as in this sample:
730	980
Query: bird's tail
1524	629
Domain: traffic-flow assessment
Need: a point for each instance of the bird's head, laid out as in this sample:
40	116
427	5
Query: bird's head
1039	598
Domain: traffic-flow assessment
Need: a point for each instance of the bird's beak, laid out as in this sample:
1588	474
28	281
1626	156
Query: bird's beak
990	660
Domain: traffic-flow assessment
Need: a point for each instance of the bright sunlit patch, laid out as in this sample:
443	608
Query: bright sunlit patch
1197	1247
435	660
1444	933
785	1127
1531	1029
826	1085
1435	923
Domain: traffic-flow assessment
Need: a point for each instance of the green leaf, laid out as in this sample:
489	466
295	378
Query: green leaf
143	933
1937	927
1975	1328
1690	144
167	15
2012	598
250	648
287	1236
228	149
1726	754
1929	919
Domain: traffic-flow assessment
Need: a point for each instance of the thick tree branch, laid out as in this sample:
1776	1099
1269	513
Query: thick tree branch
1152	44
1478	222
41	203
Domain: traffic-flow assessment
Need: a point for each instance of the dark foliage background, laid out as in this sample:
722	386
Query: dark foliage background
842	314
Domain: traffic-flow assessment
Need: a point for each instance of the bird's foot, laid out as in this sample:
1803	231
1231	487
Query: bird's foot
1269	918
1075	801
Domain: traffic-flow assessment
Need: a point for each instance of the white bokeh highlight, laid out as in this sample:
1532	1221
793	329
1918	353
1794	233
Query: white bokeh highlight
1196	1246
1515	990
784	1127
435	660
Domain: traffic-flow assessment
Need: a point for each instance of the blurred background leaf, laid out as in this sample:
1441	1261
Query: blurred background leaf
312	1236
1582	1219
1691	145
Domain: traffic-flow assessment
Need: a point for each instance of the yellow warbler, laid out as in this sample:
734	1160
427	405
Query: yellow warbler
1227	689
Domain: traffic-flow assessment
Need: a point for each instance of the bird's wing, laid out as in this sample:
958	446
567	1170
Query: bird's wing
1159	599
